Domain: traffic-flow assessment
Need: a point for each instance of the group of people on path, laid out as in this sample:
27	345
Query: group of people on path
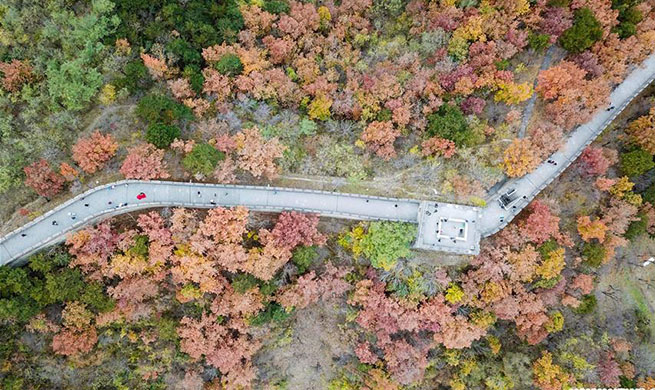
73	216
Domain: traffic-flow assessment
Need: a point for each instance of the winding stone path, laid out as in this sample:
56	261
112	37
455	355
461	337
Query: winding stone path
442	226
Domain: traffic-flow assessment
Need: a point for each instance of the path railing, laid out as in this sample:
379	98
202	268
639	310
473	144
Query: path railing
120	197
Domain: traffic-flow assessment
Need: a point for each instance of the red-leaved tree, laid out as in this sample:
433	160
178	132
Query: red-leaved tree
541	223
294	228
15	74
71	341
92	247
223	344
257	155
225	225
43	179
437	146
144	162
78	335
608	370
309	289
596	161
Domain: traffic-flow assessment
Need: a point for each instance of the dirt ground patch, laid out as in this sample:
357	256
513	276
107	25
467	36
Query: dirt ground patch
307	351
625	287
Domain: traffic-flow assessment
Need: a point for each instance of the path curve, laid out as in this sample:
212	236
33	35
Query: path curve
442	226
530	185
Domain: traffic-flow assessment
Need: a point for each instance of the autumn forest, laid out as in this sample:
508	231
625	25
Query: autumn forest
440	100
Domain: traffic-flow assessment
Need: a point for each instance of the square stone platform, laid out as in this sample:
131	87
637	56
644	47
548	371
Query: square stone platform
449	228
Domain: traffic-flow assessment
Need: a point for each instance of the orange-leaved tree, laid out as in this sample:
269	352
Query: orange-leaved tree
91	153
642	131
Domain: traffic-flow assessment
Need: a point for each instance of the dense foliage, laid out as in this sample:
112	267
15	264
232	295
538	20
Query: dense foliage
162	135
419	97
636	162
159	108
437	79
449	123
199	24
585	31
203	158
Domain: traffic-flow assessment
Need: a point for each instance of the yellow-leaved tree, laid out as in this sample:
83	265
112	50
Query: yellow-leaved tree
520	158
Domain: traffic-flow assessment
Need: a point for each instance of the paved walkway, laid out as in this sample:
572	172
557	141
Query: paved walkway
527	187
121	197
442	226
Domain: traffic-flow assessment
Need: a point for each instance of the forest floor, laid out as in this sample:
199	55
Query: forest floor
624	287
308	351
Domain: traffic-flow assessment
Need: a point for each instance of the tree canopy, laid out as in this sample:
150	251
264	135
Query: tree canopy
386	242
202	159
585	31
162	135
450	123
636	162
